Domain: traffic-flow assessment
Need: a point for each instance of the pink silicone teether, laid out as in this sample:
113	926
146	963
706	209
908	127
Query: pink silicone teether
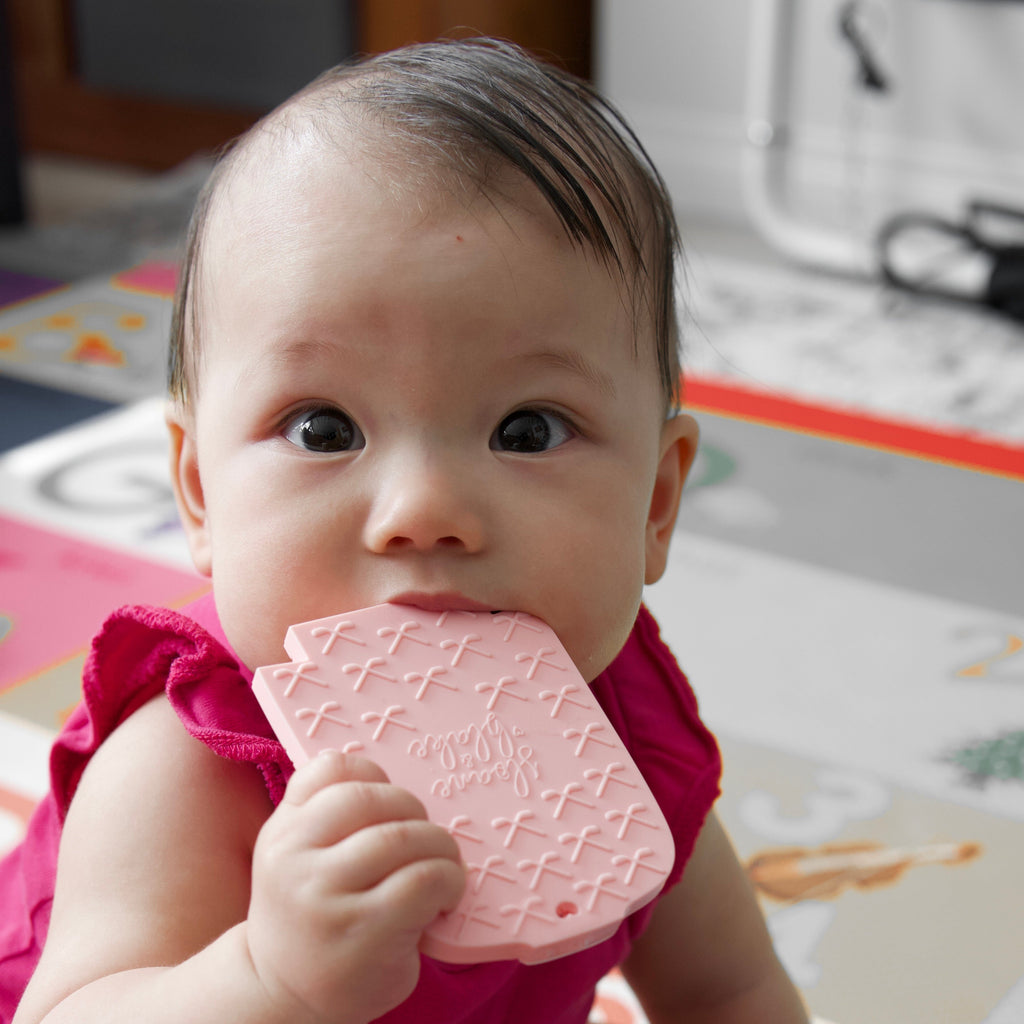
486	719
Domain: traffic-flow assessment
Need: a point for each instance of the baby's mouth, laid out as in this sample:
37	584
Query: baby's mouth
449	601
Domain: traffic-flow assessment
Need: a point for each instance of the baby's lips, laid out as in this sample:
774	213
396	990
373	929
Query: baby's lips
448	601
485	718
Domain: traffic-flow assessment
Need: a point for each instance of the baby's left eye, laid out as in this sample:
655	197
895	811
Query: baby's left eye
530	431
324	430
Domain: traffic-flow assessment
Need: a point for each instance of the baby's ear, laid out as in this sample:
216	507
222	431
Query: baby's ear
679	437
188	487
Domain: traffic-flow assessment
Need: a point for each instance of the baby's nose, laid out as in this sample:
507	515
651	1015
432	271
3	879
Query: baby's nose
426	507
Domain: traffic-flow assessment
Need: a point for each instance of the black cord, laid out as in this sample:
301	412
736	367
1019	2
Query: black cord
1004	289
869	71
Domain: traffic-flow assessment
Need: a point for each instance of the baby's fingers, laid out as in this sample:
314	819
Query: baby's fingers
367	857
327	769
413	896
334	796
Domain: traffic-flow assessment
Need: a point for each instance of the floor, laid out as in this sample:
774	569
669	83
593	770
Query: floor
58	189
844	586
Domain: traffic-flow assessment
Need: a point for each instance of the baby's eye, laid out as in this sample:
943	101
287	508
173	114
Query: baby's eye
530	431
324	430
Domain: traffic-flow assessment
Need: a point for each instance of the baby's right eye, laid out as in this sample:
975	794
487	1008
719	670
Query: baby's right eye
324	430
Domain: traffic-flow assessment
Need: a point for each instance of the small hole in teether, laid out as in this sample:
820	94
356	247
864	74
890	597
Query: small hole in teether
566	909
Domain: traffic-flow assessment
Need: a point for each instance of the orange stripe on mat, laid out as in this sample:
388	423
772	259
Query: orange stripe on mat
739	402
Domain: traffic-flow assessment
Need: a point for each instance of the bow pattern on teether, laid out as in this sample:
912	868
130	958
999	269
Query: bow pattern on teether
485	719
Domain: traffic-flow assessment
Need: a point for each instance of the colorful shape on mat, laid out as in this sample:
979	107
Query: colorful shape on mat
96	349
1000	757
157	277
131	321
16	287
825	873
91	338
58	589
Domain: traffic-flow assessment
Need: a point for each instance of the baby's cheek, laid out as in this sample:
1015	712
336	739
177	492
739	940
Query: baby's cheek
596	644
252	623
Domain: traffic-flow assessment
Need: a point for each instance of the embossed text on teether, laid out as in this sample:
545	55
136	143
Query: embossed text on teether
479	754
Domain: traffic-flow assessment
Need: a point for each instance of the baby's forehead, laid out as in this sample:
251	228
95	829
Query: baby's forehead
457	120
277	169
307	198
433	146
297	171
325	141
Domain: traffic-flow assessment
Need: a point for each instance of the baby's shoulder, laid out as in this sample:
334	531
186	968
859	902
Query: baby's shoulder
150	773
159	829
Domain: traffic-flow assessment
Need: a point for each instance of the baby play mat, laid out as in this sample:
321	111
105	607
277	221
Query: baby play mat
844	591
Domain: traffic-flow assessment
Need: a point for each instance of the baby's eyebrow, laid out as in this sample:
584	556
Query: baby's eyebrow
577	364
288	357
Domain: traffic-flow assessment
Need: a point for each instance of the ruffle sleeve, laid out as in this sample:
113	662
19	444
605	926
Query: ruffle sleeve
139	653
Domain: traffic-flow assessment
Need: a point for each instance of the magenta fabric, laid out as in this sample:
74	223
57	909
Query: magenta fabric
141	652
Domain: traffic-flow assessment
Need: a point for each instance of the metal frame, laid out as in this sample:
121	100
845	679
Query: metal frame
767	147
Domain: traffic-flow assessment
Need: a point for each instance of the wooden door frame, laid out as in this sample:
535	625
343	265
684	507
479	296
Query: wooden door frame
58	113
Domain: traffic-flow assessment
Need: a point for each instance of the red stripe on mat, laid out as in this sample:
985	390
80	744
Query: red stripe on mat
992	456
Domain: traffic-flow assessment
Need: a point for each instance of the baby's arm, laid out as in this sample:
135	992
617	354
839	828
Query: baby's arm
154	917
706	957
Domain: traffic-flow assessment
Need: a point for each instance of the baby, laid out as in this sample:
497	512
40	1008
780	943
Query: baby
424	352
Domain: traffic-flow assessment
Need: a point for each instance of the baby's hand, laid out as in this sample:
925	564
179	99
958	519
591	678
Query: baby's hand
347	872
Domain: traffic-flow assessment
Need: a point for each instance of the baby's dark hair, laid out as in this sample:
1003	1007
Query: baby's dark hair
477	108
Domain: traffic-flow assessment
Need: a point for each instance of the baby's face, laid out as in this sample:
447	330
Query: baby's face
427	400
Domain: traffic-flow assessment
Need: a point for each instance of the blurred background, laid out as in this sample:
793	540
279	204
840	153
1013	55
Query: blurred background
141	88
878	140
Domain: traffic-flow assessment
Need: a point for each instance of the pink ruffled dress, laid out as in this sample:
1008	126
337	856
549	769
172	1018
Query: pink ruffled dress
141	652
